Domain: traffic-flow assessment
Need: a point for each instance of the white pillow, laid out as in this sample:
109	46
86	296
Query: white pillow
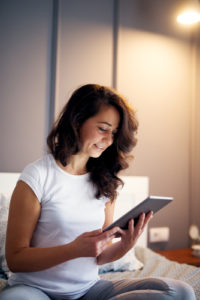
4	208
128	262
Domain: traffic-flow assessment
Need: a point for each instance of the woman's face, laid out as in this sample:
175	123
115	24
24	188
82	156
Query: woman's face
97	133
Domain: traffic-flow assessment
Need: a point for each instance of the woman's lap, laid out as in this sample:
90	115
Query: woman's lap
143	289
147	288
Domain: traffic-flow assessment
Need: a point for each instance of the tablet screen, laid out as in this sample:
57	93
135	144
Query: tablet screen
152	203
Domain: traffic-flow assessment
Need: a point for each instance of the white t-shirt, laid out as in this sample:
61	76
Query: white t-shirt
68	208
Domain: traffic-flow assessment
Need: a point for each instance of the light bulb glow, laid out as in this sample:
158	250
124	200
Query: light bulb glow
189	17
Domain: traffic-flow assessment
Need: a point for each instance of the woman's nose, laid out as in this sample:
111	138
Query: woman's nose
109	138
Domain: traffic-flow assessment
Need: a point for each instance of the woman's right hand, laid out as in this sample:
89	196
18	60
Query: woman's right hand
93	243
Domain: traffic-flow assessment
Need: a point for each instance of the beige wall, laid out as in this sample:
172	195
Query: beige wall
155	73
84	46
25	37
195	134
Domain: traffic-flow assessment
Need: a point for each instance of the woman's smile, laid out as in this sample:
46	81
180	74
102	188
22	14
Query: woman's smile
99	147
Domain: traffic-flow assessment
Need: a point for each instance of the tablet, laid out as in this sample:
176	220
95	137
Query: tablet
153	203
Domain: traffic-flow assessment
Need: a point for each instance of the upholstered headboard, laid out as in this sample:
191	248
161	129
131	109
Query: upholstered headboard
8	182
136	189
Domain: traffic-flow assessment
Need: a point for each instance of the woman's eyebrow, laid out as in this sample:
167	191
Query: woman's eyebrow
105	123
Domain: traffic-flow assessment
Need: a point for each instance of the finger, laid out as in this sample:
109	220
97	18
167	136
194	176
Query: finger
130	230
131	226
140	221
139	225
148	217
105	239
111	233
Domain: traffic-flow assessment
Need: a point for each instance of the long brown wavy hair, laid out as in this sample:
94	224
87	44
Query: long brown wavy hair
63	141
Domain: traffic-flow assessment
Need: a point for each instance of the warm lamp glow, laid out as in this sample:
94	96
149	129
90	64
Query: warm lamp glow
189	17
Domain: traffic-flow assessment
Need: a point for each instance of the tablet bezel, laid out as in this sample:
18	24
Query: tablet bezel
151	203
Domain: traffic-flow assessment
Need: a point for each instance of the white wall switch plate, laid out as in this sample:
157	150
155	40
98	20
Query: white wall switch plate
158	234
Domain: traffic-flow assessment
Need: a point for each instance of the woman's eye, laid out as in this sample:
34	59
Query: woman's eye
102	129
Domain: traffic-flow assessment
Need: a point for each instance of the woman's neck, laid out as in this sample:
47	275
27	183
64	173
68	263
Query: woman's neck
76	166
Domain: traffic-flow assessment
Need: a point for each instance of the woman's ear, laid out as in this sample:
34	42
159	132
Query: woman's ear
77	128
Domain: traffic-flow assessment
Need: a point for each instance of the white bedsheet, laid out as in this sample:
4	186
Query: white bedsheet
156	265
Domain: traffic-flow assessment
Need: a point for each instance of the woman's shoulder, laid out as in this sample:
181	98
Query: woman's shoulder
38	168
35	174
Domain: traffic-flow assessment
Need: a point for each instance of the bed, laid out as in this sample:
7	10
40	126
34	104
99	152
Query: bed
138	263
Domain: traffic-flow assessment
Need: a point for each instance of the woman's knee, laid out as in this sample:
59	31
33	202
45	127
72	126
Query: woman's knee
22	292
180	290
174	289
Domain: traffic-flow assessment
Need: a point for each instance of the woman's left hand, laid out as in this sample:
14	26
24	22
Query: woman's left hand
128	240
130	236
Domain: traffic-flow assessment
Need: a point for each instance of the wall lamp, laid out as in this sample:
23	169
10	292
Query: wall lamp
190	13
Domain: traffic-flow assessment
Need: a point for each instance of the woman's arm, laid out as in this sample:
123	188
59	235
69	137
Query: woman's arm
23	216
24	213
109	213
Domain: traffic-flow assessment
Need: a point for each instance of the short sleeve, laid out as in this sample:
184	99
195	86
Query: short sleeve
32	175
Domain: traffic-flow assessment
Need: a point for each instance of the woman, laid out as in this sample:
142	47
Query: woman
61	203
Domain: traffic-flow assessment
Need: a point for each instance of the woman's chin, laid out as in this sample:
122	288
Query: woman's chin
96	154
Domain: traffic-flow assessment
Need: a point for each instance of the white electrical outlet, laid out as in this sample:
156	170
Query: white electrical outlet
158	234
